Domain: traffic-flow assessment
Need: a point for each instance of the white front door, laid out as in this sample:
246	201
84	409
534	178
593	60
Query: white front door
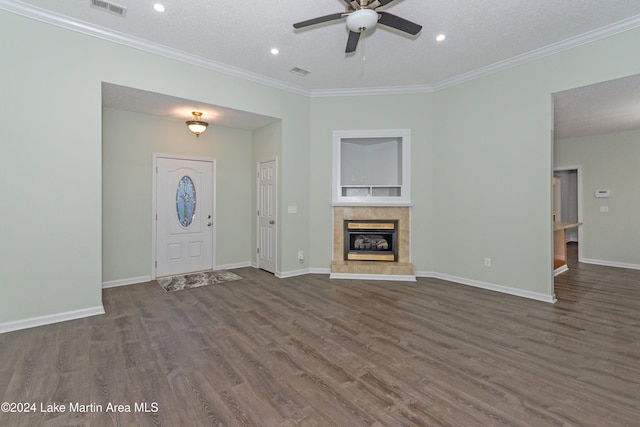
267	215
184	216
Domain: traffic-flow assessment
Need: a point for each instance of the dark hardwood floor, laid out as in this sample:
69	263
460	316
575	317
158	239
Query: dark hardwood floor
310	351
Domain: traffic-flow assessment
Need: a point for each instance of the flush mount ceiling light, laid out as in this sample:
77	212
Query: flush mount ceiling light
196	125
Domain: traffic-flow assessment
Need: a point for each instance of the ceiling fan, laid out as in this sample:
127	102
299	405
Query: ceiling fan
362	15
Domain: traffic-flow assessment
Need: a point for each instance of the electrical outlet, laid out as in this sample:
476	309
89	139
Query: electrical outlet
487	262
604	209
300	255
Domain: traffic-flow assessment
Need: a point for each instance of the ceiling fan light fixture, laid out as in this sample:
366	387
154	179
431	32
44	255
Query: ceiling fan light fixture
362	16
362	20
196	125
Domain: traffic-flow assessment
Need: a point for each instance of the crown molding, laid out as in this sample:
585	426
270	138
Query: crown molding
144	45
552	49
383	90
137	43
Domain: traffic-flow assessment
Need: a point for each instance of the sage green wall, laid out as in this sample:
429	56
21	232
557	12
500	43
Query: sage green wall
50	171
409	111
493	152
128	143
52	256
493	168
609	162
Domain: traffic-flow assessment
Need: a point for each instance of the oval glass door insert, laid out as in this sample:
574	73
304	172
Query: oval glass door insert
185	201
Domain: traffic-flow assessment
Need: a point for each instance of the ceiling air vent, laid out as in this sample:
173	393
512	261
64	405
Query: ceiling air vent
109	7
299	71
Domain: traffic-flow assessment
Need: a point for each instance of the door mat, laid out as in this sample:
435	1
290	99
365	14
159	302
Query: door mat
196	280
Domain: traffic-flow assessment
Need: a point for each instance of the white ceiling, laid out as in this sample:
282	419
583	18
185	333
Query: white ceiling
612	106
236	37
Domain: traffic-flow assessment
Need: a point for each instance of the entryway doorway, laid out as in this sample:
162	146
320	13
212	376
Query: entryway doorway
184	215
567	209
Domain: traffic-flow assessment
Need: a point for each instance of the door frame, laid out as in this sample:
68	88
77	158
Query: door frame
578	169
277	211
154	207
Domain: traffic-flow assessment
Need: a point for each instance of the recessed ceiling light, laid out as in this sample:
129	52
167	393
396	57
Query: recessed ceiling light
440	37
158	7
275	51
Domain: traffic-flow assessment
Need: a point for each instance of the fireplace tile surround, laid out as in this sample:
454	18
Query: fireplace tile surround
400	270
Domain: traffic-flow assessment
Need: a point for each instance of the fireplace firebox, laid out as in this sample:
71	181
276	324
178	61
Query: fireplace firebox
371	240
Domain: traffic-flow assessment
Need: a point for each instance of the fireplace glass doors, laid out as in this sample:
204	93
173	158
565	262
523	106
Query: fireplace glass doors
371	240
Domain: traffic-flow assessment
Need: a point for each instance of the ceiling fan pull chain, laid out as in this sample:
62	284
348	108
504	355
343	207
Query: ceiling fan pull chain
364	57
364	49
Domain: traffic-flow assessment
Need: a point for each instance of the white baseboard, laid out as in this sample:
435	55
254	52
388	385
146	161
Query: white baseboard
430	274
302	272
393	277
52	318
490	286
292	273
404	278
426	274
560	270
126	282
610	263
234	266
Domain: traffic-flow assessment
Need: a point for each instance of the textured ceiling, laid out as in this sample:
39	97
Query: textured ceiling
236	37
611	106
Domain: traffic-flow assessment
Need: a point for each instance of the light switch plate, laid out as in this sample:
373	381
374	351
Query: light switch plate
292	209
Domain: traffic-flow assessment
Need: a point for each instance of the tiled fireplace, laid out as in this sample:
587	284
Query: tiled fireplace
371	204
381	253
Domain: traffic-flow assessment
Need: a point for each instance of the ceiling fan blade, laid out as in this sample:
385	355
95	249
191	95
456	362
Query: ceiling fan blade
319	20
398	23
352	42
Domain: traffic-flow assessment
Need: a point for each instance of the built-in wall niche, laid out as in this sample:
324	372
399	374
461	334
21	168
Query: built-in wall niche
372	168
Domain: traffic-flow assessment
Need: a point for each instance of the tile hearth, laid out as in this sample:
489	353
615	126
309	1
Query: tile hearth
400	270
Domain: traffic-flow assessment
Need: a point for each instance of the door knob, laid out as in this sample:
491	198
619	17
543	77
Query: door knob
272	222
209	224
